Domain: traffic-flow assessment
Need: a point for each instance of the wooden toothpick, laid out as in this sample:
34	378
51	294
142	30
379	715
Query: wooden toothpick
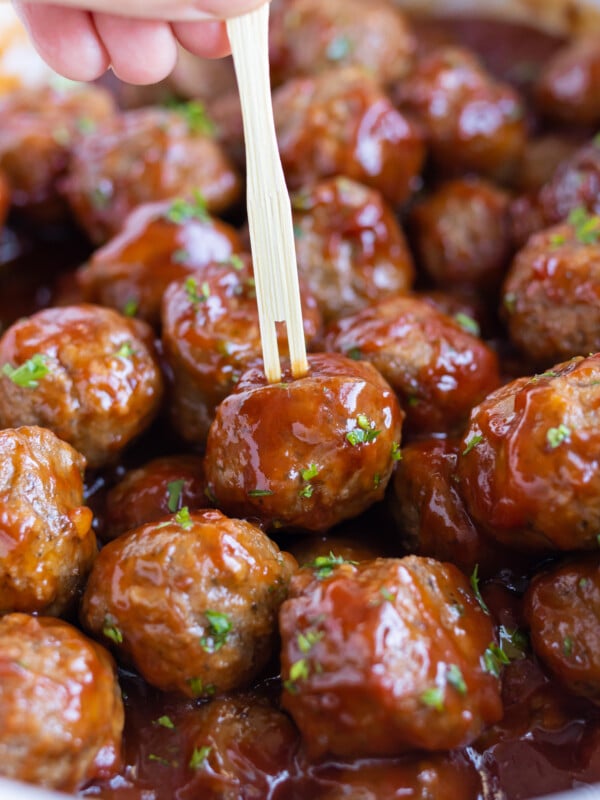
269	209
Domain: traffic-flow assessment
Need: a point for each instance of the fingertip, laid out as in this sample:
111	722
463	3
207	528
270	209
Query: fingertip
205	39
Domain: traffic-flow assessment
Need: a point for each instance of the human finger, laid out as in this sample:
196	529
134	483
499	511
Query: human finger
205	39
171	10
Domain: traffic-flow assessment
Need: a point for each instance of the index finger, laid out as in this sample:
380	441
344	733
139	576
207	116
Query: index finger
171	10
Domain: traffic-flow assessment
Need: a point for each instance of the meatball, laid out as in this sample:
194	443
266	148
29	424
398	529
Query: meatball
159	243
210	334
462	234
551	296
438	370
190	601
574	184
61	714
162	486
341	123
541	158
567	89
47	545
40	128
472	122
385	657
430	514
351	250
310	36
85	372
529	467
562	607
144	156
331	457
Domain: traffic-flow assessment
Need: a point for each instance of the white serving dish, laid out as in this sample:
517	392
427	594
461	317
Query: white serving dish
567	16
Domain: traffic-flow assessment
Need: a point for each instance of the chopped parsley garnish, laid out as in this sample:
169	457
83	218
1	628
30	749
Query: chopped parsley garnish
194	295
198	688
455	678
219	628
396	452
473	442
306	641
376	480
549	373
199	756
111	631
364	432
338	48
587	226
182	210
165	722
196	117
299	671
474	580
159	760
510	302
130	308
306	491
310	472
180	256
354	353
236	262
494	659
28	375
125	351
556	436
467	323
182	517
85	125
434	698
568	646
557	240
514	643
174	488
583	582
387	595
323	566
259	493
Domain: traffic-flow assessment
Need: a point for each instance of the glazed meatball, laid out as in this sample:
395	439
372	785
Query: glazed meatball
528	468
341	123
562	607
40	128
351	250
47	545
144	156
159	243
210	334
85	372
462	234
551	296
61	715
472	122
336	442
385	657
567	89
541	158
190	601
574	184
162	486
438	370
310	36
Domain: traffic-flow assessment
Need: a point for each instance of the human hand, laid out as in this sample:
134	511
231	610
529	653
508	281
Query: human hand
81	39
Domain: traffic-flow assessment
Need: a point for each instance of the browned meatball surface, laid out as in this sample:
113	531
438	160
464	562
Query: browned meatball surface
143	156
562	608
86	372
190	601
159	243
211	334
351	250
541	157
567	89
438	370
472	122
341	123
5	198
310	36
528	468
40	128
47	545
430	514
551	295
385	657
162	486
304	453
61	714
462	234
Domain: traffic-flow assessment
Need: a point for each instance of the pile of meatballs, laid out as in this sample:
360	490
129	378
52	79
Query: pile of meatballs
335	533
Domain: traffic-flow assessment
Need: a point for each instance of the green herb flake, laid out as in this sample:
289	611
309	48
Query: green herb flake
396	452
260	493
182	517
515	643
494	659
556	436
174	490
472	443
323	566
467	323
338	48
198	688
166	722
509	302
455	678
125	351
130	308
583	582
159	760
199	756
557	240
364	432
587	226
180	256
413	401
236	262
85	125
306	641
219	629
354	353
307	491
310	472
111	630
474	581
299	671
196	116
387	595
182	210
194	294
433	698
568	646
376	480
28	375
